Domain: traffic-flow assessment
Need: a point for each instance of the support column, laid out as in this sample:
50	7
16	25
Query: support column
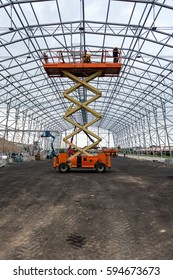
6	126
165	127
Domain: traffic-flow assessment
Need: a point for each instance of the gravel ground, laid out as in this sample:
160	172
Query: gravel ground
125	213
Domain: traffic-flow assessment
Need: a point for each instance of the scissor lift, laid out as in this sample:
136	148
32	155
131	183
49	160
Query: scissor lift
73	65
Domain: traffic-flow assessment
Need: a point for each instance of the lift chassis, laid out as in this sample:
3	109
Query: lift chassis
98	162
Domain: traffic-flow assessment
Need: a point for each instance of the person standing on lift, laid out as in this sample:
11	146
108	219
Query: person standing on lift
115	55
45	57
86	57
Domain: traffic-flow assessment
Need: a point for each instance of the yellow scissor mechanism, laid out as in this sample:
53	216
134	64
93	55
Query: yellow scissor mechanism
71	110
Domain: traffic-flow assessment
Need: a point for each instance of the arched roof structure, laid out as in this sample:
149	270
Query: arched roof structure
136	106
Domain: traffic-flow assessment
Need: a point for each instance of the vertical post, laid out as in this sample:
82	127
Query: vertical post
131	139
65	132
149	129
156	125
34	126
30	120
115	141
11	16
24	124
6	126
143	132
71	34
82	31
165	127
139	133
16	125
108	138
134	135
60	140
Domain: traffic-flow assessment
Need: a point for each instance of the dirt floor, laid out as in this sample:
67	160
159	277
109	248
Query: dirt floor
126	213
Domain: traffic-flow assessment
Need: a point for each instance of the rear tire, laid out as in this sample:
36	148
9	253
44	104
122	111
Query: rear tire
63	168
100	167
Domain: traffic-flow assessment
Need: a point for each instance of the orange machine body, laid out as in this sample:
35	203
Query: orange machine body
111	152
100	162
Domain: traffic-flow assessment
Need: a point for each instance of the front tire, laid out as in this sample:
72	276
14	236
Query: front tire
100	167
63	168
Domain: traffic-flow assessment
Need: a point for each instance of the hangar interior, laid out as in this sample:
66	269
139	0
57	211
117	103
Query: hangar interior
136	106
125	213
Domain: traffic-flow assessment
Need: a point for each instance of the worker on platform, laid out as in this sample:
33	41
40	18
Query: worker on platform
115	55
86	57
45	57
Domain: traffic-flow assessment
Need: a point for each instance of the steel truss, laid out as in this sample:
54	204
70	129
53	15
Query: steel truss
137	107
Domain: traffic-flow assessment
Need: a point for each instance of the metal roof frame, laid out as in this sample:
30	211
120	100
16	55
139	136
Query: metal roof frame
143	86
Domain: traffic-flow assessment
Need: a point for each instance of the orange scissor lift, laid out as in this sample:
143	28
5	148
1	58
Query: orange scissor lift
81	71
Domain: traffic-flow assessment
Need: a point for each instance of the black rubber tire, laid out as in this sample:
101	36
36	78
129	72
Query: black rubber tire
63	168
100	167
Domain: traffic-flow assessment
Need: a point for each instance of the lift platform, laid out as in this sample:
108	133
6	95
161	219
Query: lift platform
75	63
81	68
